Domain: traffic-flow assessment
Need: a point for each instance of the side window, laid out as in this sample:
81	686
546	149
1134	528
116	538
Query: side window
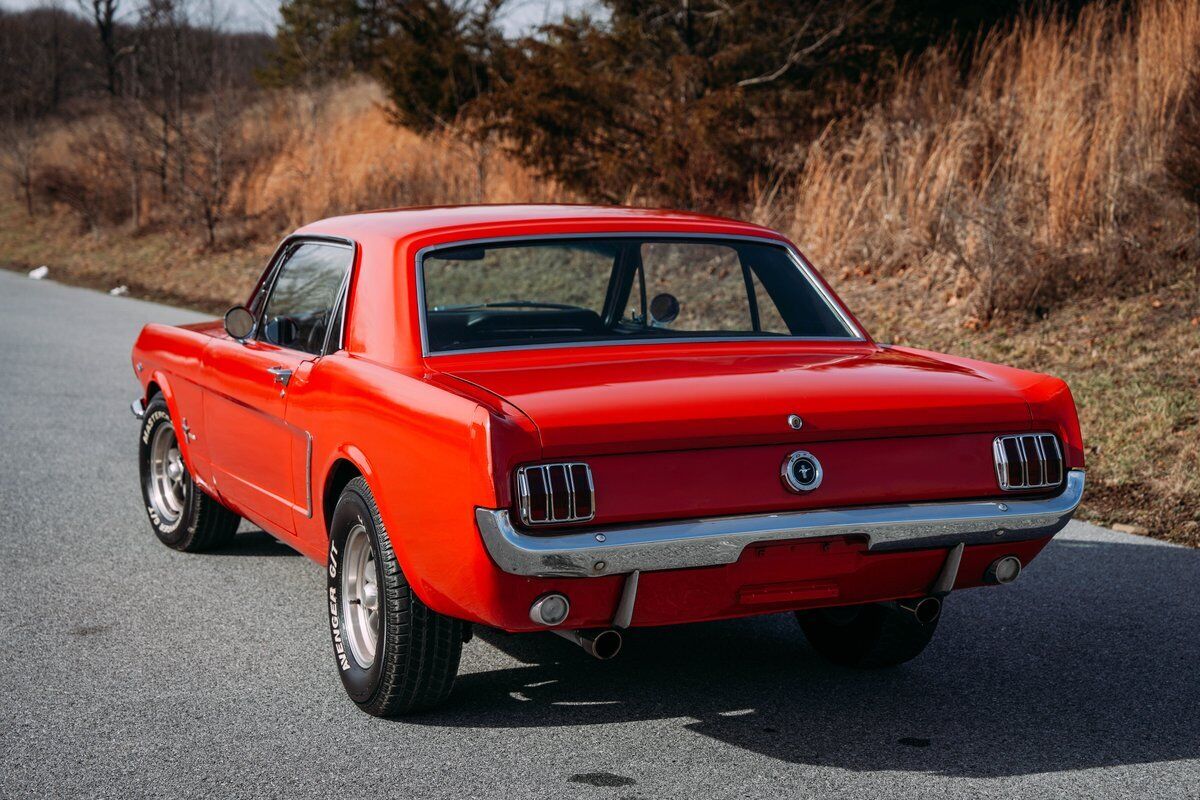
300	306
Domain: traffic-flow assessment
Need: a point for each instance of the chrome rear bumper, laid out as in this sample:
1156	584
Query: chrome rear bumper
720	540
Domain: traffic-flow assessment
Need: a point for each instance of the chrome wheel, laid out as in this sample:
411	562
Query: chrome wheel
168	476
360	596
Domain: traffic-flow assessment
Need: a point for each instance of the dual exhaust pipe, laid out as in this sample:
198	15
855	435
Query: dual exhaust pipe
552	609
926	610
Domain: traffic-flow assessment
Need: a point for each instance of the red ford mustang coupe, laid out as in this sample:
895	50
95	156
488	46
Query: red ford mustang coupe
578	420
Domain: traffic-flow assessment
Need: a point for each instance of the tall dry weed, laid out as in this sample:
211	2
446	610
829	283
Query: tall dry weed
1007	182
343	154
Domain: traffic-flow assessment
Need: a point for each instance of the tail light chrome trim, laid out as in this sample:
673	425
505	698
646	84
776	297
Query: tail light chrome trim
1028	461
556	494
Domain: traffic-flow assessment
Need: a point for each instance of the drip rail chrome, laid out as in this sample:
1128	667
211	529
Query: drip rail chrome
720	540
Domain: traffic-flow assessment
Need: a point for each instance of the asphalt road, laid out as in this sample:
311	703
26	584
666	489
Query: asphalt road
128	669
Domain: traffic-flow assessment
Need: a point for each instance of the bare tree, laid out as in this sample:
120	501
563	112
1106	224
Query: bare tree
225	147
162	33
103	14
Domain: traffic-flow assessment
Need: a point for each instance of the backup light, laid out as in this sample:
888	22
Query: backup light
550	609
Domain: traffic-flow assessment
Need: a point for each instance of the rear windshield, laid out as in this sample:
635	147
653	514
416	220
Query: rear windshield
620	289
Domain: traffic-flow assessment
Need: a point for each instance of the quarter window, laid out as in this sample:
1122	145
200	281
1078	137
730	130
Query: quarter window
301	303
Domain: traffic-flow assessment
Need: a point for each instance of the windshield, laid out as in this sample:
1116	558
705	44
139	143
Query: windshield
619	289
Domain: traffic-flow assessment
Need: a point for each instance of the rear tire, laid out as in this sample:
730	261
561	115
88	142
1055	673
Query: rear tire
183	517
395	655
867	636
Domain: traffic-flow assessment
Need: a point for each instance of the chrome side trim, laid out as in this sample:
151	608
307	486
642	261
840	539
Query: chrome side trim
806	270
720	540
308	503
138	408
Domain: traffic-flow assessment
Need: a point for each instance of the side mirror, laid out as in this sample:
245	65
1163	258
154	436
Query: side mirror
239	323
664	308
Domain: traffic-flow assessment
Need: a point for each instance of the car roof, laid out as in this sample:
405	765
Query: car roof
404	222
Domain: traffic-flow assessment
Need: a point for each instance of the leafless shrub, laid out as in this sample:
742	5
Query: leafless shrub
92	196
224	146
18	158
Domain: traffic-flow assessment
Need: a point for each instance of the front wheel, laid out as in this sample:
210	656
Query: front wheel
870	636
183	516
394	653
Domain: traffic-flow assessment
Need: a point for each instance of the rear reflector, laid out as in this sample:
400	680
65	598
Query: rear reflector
554	494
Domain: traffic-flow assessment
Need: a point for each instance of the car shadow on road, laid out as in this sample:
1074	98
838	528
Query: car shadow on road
253	542
1088	661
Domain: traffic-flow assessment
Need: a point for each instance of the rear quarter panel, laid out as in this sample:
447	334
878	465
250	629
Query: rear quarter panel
427	454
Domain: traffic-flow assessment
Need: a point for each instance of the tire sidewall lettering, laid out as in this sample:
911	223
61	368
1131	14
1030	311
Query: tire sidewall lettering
156	417
159	415
361	684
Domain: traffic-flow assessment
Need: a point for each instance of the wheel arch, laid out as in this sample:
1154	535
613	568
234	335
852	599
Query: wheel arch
346	463
340	473
159	385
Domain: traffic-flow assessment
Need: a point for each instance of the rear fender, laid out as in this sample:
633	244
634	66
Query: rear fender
355	455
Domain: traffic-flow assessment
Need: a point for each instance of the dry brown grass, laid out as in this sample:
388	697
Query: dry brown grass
316	153
1030	178
341	153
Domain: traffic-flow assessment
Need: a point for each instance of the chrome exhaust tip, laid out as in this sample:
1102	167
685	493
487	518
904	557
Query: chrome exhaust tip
604	644
550	609
1003	570
925	609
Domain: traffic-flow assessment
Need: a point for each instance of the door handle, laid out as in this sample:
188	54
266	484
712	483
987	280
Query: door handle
282	374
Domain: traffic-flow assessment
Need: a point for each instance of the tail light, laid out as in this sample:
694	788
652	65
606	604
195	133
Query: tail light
555	494
1028	461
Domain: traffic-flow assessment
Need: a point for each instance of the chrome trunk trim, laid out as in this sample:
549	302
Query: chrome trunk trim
720	540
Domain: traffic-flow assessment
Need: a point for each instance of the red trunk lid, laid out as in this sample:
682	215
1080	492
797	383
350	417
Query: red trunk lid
674	398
